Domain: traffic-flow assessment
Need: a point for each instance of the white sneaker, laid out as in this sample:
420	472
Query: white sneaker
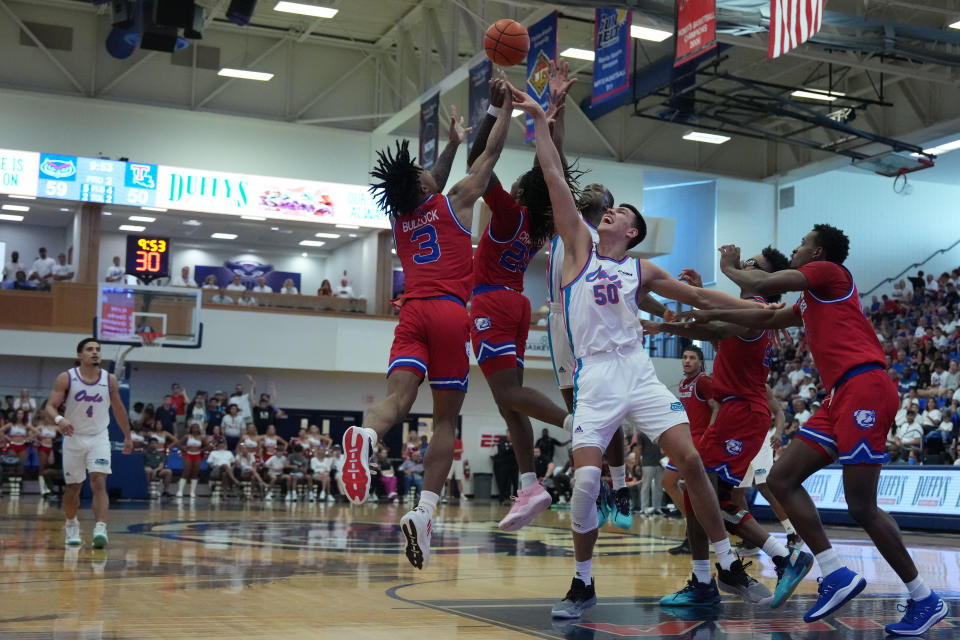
323	495
72	530
417	526
268	497
100	535
562	500
288	497
354	477
294	498
330	498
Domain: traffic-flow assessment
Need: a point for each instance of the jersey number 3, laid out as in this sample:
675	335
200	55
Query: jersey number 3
427	250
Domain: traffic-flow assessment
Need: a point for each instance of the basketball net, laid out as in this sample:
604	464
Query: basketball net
151	338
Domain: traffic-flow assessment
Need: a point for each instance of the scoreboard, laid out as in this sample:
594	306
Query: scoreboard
148	257
97	180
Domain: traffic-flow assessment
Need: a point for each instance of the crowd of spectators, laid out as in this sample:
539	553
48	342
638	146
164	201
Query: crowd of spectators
39	275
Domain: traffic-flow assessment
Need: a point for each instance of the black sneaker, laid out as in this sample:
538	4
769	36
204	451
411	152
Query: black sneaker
738	582
682	549
622	515
794	542
579	598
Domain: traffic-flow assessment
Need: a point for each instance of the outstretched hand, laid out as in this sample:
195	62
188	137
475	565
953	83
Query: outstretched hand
524	101
697	316
651	327
458	133
670	316
559	83
498	89
729	257
691	277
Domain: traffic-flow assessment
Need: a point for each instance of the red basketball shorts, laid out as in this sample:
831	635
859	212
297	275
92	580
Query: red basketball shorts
433	339
730	444
499	324
853	423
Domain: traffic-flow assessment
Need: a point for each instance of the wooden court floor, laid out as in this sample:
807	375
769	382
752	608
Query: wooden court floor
331	571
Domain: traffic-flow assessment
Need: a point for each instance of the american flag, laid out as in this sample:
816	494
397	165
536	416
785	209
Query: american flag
792	22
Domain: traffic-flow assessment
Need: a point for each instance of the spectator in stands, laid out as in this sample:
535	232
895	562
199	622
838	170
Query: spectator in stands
273	468
8	409
114	271
799	409
210	282
214	413
412	470
950	380
917	281
247	300
288	287
62	272
548	444
241	397
154	465
651	491
184	279
233	425
297	469
20	282
221	297
412	444
505	469
456	469
237	284
264	414
42	269
220	462
155	432
180	400
198	412
262	286
10	269
246	464
27	403
909	437
325	289
166	414
320	466
345	290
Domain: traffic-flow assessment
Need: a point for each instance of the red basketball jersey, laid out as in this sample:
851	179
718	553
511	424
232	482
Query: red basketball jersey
694	393
838	333
505	250
435	251
742	367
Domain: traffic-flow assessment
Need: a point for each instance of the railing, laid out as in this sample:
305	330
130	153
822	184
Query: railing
667	346
281	302
936	253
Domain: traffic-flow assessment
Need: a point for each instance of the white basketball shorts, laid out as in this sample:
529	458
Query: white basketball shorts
560	352
760	467
85	453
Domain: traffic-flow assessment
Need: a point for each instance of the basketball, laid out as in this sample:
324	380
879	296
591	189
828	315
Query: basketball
506	42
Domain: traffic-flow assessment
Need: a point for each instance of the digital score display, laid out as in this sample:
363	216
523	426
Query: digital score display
148	257
97	180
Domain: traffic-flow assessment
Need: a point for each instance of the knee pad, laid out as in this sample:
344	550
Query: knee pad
583	503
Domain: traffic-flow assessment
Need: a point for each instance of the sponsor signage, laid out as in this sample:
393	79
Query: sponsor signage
611	63
543	50
901	489
18	172
538	345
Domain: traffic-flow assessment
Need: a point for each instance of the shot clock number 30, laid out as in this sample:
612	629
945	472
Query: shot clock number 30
148	258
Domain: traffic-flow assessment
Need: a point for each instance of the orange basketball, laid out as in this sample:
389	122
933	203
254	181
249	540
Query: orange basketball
506	42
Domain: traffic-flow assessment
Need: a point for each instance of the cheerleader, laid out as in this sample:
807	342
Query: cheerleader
43	436
270	442
192	445
17	432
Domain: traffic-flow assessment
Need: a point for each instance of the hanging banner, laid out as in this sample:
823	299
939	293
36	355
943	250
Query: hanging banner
479	97
429	130
543	50
611	62
696	28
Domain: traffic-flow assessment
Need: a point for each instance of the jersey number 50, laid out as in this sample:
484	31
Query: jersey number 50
427	250
604	293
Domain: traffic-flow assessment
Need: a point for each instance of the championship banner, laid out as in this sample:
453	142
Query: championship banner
543	49
479	97
429	130
611	62
696	28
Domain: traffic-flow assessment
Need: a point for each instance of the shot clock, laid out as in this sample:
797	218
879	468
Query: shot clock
148	258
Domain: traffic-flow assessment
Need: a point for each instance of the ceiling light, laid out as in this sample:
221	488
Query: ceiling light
579	54
943	148
817	94
516	112
648	33
64	209
312	243
15	207
141	219
192	223
107	213
224	236
274	228
352	235
955	25
158	209
131	227
347	226
24	197
258	218
326	235
393	251
10	217
243	74
305	9
710	138
304	254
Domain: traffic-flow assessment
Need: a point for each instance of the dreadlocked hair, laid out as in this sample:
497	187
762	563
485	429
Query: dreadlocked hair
398	192
536	198
778	262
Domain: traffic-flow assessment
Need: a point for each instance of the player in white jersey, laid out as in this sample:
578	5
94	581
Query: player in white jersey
614	377
87	393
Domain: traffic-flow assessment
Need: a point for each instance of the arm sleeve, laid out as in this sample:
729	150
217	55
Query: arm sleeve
507	215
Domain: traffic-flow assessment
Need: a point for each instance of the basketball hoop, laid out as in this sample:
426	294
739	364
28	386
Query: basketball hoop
151	338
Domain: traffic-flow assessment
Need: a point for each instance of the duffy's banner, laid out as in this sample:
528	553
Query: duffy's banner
543	49
611	62
429	130
696	28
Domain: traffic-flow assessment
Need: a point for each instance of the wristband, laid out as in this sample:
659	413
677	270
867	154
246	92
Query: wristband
58	420
494	111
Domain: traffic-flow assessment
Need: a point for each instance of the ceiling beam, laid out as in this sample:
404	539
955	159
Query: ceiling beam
213	94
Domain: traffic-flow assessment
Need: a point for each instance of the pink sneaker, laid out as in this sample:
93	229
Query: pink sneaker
354	478
528	504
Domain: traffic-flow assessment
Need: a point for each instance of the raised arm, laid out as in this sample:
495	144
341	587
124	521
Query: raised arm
441	168
55	399
754	318
657	279
710	331
120	413
654	307
757	281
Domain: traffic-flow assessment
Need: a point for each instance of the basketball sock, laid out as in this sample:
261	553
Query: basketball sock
619	477
788	527
584	571
725	556
774	549
918	590
828	561
429	500
701	569
73	520
528	479
193	486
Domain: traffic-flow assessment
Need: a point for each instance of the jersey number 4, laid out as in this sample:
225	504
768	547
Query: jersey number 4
427	248
606	293
90	411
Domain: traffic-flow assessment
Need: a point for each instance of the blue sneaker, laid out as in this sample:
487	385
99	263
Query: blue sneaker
790	572
622	514
604	504
835	590
695	594
920	615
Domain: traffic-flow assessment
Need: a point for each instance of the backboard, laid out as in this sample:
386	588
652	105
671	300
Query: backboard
124	312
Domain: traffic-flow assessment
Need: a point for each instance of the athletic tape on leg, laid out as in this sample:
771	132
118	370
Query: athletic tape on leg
583	504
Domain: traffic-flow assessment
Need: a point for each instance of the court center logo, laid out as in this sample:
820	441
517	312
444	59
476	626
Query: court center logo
733	447
865	418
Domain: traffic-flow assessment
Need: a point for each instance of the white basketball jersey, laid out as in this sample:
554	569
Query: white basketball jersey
555	264
600	306
88	405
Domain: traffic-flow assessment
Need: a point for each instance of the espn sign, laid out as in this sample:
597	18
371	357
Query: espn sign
489	440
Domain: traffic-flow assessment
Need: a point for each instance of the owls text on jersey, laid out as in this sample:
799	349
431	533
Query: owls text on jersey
87	406
555	265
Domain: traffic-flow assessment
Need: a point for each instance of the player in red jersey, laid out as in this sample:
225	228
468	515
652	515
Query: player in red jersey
432	235
850	427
